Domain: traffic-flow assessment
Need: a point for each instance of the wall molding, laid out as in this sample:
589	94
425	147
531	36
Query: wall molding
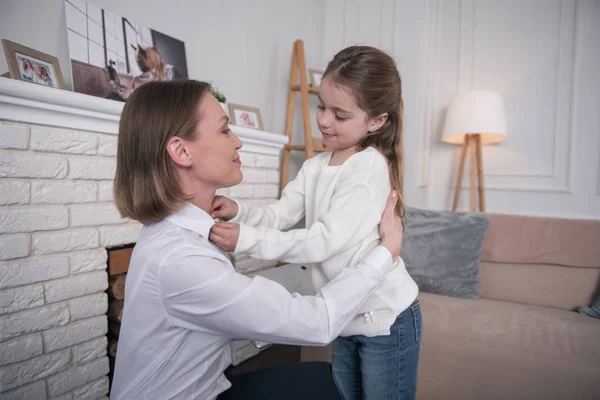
567	42
428	85
565	95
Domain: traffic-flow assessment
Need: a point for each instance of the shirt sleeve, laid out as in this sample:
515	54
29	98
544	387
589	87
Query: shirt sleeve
353	213
282	214
205	293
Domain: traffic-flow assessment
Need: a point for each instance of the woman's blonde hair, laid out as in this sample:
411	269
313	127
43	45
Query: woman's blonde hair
373	80
145	186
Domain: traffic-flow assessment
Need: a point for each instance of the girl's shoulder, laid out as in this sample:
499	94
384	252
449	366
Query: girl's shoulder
366	167
369	158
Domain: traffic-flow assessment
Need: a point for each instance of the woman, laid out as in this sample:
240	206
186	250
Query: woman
184	302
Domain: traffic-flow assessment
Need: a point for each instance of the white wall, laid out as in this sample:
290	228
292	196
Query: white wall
541	54
399	27
543	57
243	47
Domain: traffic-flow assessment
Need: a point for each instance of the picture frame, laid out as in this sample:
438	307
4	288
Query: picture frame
115	54
315	77
30	65
245	116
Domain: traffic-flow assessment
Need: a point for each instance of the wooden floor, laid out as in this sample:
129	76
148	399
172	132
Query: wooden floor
275	355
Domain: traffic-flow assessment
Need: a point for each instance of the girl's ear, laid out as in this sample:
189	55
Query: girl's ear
376	123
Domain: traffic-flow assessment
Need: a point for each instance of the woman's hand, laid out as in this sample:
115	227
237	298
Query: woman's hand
223	208
225	235
390	228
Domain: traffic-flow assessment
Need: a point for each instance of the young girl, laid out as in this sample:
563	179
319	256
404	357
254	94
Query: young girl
342	194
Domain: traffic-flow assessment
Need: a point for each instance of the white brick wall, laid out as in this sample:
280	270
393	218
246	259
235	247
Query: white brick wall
14	136
105	191
55	209
30	270
24	164
64	240
61	192
14	192
13	246
62	141
56	219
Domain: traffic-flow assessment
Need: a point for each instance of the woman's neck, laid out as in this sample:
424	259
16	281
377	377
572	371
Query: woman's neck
201	194
203	201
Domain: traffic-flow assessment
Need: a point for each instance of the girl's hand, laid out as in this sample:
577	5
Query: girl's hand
223	208
390	228
225	235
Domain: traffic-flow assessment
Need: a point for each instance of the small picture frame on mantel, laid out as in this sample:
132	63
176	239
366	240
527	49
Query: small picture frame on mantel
315	77
248	117
30	65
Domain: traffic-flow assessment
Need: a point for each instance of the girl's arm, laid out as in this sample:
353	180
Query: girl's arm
282	214
354	212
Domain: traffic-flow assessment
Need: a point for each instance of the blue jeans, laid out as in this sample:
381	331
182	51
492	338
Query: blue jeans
381	367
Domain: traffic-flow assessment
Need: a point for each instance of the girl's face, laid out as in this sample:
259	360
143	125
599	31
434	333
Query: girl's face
341	121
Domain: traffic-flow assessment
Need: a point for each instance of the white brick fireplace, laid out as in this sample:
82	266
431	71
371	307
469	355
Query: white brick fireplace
57	163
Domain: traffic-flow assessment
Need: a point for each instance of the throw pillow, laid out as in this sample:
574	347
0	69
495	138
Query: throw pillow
441	251
591	311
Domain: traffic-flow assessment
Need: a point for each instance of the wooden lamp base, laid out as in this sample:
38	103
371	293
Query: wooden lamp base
472	141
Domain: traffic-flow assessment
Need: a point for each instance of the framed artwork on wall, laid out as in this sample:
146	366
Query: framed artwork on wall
111	54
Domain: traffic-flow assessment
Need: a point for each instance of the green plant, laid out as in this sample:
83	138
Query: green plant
218	94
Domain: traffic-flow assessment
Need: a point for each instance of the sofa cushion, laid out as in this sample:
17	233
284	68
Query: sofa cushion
556	286
489	349
543	240
441	250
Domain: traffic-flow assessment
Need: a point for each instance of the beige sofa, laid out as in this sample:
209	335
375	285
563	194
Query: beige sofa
522	339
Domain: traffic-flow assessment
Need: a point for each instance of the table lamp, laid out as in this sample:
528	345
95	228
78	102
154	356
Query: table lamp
474	118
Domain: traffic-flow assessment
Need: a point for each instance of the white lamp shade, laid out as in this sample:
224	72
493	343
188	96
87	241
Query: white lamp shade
479	111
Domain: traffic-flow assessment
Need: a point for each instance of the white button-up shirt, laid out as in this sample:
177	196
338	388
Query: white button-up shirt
184	303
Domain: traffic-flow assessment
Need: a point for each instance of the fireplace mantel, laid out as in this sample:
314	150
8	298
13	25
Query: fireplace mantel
36	104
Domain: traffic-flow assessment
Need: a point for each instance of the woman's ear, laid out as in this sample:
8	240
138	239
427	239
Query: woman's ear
178	151
376	123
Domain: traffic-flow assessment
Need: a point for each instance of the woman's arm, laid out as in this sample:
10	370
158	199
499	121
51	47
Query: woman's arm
216	298
260	309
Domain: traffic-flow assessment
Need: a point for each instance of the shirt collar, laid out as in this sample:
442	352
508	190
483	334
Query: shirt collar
193	219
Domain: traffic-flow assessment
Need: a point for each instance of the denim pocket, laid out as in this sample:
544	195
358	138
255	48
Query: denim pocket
418	320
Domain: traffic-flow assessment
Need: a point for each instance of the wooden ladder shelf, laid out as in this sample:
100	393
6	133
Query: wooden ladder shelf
298	83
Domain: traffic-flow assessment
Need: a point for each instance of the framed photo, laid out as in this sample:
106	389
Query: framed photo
315	77
116	54
31	65
245	116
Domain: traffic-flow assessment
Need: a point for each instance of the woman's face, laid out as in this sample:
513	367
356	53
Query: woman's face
215	160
